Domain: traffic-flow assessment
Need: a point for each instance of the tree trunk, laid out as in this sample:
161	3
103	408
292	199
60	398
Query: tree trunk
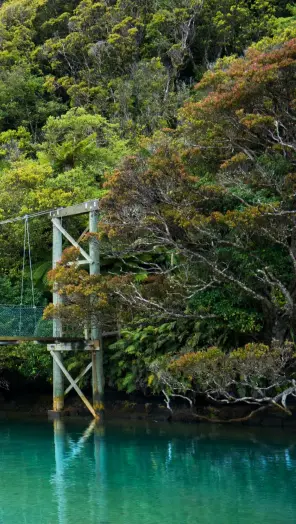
281	328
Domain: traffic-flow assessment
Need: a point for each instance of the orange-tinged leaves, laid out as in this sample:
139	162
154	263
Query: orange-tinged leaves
242	77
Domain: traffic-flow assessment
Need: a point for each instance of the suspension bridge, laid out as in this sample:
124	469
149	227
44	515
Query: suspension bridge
22	322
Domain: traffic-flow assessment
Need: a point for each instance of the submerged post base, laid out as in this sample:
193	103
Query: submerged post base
54	415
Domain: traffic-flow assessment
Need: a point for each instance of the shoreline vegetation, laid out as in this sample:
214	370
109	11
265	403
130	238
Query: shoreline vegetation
152	410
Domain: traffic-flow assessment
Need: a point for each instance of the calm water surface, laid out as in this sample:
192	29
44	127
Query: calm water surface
71	474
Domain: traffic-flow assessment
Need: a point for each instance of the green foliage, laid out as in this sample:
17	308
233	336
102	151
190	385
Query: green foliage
30	360
24	101
236	316
132	354
14	143
33	361
78	139
10	290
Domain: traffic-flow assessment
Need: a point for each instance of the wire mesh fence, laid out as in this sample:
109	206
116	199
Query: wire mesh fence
24	321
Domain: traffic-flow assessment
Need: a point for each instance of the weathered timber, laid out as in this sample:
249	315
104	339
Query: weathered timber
77	342
73	384
78	209
98	381
58	378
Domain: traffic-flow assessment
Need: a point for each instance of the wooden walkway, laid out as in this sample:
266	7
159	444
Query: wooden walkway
51	340
41	340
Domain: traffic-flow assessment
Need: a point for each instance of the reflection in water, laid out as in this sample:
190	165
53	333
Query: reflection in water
62	461
59	448
101	475
146	475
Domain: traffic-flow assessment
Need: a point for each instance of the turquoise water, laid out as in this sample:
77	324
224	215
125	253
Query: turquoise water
69	474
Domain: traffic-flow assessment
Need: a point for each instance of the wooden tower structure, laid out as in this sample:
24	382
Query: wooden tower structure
93	342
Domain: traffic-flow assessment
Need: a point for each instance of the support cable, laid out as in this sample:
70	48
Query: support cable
23	278
31	270
31	215
27	249
30	263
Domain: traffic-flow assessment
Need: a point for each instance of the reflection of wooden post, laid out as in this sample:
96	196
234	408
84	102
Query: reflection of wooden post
100	455
59	448
97	355
58	379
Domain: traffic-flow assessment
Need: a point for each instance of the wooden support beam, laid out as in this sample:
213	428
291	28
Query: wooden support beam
78	209
98	382
44	340
76	343
83	234
88	367
79	263
69	346
74	385
58	382
72	241
58	378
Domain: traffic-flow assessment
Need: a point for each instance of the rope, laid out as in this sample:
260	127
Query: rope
32	215
23	276
31	272
26	244
30	264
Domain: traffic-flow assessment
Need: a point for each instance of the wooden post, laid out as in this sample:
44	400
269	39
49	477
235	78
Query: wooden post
96	336
58	378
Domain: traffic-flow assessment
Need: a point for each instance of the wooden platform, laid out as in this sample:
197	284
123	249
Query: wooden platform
51	340
40	340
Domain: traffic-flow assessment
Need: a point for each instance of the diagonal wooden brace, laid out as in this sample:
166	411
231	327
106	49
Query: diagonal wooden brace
88	367
72	241
74	385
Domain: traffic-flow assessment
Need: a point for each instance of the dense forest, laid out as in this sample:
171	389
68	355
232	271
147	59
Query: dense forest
180	117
